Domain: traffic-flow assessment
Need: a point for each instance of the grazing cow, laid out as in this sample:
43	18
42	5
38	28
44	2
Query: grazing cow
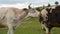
13	17
49	18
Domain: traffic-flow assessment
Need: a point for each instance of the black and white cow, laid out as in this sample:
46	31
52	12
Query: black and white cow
49	18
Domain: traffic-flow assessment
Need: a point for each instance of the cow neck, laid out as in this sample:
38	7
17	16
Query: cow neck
25	14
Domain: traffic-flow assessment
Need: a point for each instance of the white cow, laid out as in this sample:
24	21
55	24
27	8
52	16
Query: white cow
13	17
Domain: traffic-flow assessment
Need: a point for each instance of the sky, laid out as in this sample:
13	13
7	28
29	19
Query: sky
25	3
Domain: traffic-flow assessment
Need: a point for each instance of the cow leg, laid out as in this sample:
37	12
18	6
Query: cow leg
45	28
10	26
10	31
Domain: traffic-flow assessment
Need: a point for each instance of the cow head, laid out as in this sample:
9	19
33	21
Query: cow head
33	12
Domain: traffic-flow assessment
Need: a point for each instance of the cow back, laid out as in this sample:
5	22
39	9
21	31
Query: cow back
55	15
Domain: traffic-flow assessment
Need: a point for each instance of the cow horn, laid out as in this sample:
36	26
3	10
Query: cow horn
29	6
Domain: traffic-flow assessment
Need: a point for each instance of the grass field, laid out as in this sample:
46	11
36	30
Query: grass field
31	26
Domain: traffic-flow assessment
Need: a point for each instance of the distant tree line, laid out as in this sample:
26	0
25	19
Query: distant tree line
42	7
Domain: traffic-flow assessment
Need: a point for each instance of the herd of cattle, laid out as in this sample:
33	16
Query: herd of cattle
13	17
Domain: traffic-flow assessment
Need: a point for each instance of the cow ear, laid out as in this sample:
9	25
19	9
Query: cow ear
29	6
25	9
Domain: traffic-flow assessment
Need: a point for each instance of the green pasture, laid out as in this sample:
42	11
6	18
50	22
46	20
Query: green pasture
31	26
